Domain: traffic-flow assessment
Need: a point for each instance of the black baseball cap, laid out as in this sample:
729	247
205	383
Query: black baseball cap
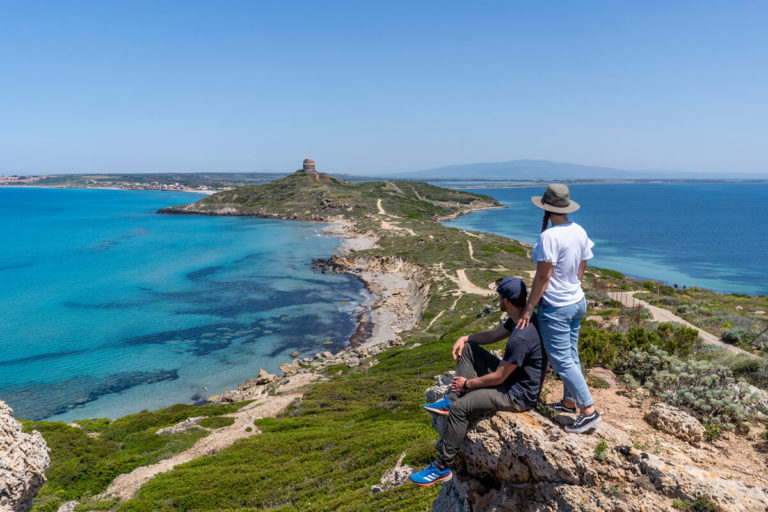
511	288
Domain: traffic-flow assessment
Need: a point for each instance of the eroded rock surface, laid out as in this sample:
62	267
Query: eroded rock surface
183	426
23	461
523	461
672	420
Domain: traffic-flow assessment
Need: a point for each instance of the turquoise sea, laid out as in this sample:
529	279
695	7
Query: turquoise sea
710	235
109	308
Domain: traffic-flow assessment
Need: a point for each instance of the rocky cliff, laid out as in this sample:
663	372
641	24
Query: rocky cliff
524	461
23	461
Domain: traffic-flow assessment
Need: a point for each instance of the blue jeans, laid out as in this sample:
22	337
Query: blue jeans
559	329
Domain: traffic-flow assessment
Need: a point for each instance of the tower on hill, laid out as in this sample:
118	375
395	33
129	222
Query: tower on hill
309	165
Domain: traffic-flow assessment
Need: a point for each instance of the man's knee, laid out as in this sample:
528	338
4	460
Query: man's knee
469	348
461	407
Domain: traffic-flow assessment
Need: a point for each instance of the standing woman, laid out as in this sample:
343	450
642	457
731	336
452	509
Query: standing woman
561	255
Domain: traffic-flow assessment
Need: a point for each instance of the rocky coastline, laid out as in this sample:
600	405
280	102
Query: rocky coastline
399	293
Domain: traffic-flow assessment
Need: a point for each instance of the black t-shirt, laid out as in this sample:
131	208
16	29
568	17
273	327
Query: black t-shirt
525	350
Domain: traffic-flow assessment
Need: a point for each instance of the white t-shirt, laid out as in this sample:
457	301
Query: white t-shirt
565	246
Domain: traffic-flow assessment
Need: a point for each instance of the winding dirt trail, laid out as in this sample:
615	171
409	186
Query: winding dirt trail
381	210
472	252
435	319
389	226
663	315
125	486
467	286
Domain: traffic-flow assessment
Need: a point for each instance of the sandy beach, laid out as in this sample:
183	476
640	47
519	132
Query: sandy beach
387	314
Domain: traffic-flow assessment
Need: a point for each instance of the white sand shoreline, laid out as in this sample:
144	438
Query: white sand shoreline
389	289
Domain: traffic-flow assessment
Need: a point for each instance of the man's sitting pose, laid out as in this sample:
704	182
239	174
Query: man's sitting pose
483	383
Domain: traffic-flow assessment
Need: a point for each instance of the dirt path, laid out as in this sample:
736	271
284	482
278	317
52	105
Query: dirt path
435	319
471	252
392	186
389	226
125	486
467	286
663	315
381	210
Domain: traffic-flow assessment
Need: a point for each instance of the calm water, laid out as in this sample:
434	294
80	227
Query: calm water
711	235
109	308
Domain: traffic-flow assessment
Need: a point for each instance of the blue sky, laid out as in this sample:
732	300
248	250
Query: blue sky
369	87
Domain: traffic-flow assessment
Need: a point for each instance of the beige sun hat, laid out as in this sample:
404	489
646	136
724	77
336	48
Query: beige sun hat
556	199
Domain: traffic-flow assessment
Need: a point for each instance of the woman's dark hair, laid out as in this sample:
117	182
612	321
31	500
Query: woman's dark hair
545	220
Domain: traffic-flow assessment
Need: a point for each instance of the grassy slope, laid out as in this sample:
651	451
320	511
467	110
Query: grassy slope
82	465
317	195
338	441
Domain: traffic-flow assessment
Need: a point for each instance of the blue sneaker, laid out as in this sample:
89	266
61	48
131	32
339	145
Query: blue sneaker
439	407
430	475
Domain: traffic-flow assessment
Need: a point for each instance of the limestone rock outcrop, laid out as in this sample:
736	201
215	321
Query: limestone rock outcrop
23	461
672	420
183	426
525	462
395	476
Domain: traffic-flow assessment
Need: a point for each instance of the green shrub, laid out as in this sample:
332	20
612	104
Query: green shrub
598	347
217	422
713	431
702	504
601	449
598	383
708	390
737	335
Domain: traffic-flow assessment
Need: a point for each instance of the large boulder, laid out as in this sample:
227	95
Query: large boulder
672	420
23	461
688	483
524	462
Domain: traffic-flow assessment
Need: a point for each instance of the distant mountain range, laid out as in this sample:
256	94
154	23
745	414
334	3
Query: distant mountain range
546	170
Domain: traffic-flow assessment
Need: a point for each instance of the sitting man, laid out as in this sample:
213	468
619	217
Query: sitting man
483	383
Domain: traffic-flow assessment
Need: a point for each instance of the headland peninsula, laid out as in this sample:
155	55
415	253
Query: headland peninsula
340	431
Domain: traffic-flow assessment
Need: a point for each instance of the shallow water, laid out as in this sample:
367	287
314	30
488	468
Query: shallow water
711	235
109	308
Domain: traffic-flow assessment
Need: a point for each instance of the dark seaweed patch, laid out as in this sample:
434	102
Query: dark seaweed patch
203	273
65	395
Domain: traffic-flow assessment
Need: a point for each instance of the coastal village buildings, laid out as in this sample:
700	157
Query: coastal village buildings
13	180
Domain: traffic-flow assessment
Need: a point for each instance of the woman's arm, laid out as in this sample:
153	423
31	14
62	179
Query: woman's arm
540	283
582	268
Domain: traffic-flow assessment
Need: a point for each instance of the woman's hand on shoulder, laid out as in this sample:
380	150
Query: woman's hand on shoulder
525	318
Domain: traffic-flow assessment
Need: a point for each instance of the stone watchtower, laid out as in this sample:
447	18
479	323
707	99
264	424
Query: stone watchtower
309	165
